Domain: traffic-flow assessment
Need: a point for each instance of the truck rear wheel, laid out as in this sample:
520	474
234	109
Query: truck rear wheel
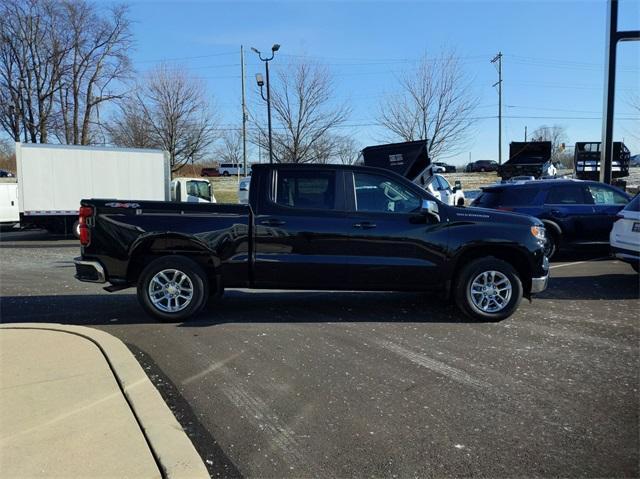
173	288
488	289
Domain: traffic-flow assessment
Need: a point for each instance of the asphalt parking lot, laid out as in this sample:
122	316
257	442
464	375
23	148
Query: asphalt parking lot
325	384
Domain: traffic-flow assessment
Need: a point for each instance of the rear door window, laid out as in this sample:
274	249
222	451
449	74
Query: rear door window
605	196
306	189
566	195
518	196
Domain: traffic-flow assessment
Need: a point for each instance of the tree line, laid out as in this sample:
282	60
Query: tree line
66	76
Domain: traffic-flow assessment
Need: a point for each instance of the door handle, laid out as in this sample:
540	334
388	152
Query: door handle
272	222
557	213
365	225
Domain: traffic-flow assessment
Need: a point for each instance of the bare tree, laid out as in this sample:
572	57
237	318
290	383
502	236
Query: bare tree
433	102
556	134
346	150
304	115
59	61
173	110
98	57
32	51
230	148
131	128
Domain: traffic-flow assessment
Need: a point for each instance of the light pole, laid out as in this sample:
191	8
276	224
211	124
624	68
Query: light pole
260	82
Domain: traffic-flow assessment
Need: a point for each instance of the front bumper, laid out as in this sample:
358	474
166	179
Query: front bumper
539	284
89	271
626	255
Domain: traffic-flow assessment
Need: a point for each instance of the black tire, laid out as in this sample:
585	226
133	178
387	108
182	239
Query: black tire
551	244
462	289
225	173
191	269
460	202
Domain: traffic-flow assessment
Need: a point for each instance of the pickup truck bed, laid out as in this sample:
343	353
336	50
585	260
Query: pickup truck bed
312	227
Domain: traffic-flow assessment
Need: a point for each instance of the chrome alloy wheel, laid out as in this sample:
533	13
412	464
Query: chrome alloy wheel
170	290
491	291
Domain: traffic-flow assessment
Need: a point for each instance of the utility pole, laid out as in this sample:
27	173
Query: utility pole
525	132
244	115
498	59
613	36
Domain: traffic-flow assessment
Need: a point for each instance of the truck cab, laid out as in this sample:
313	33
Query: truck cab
192	190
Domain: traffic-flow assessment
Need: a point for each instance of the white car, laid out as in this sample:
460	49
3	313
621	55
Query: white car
625	234
439	187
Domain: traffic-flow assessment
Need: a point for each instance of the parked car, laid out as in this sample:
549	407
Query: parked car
438	168
625	234
6	174
228	169
482	165
209	172
574	212
439	187
313	227
447	168
243	190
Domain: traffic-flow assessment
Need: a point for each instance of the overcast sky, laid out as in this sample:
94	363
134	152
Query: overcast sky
553	56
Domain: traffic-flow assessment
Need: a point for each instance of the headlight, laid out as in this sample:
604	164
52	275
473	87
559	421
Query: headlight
538	232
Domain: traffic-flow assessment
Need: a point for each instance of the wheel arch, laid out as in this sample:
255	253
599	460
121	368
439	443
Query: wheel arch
147	248
513	255
553	227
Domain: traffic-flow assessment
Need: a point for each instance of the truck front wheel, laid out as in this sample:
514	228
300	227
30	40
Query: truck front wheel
488	289
173	288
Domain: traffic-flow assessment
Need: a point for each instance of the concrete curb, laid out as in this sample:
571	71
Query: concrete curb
172	449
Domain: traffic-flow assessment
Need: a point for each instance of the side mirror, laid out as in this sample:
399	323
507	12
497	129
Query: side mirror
457	186
430	207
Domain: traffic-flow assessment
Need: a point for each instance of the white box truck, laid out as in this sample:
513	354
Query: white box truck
9	211
52	179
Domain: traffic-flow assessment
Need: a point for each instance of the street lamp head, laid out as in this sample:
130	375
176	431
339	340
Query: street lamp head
259	79
275	47
255	50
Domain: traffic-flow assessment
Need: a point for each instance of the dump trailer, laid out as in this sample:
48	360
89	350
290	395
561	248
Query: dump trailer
586	160
409	159
528	158
52	179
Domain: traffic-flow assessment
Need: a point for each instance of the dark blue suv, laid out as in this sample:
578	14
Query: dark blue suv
574	212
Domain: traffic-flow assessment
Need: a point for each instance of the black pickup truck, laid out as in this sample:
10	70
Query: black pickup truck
325	227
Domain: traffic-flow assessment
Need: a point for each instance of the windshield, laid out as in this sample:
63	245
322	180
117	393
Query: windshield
199	189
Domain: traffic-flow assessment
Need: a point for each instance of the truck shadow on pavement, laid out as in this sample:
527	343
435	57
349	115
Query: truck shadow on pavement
269	306
237	306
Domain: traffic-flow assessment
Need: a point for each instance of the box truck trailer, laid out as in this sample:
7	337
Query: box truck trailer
52	179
